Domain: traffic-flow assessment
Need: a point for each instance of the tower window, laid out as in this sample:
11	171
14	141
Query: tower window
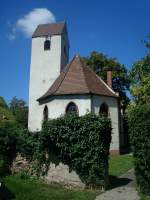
45	114
71	108
104	109
47	44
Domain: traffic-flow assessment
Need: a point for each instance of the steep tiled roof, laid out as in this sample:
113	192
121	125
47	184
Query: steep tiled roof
49	29
77	78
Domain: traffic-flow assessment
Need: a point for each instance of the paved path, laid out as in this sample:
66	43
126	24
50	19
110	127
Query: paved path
124	189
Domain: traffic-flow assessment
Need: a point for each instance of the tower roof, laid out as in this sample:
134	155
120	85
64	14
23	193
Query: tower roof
49	29
77	78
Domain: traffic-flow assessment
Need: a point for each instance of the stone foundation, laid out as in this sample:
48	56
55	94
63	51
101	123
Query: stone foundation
56	174
20	164
60	174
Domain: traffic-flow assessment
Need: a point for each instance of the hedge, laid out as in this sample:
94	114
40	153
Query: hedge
139	129
8	141
80	142
14	139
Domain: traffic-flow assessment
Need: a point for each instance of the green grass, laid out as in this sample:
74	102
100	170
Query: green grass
36	190
144	197
119	165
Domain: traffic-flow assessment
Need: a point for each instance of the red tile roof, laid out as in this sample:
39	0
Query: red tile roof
49	29
77	78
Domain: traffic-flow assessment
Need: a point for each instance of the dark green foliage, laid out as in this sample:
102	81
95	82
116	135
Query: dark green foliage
14	139
3	103
140	80
8	143
139	127
80	142
101	63
27	143
20	111
5	113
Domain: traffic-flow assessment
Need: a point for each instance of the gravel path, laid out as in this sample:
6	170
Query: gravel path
124	189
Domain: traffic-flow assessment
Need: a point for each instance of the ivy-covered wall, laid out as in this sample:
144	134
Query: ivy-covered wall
82	143
77	146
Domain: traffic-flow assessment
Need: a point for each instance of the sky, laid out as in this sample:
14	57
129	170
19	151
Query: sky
113	27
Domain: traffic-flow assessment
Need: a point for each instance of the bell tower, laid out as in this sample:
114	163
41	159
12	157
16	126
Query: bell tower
49	55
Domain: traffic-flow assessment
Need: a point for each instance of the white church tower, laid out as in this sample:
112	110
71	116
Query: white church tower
49	55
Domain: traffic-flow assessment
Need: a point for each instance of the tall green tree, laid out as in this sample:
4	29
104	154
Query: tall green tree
20	111
101	63
5	113
140	80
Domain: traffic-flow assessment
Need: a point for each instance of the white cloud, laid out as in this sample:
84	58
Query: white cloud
28	23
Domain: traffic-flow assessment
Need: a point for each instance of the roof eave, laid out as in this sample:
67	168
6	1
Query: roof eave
86	93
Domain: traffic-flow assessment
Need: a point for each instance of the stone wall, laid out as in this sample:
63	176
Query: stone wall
20	164
56	174
61	174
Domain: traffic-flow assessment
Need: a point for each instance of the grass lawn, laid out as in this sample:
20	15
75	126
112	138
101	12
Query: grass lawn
120	164
144	197
36	190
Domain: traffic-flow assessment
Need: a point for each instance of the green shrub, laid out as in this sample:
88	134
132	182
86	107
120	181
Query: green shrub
80	142
26	143
139	128
4	167
14	139
8	144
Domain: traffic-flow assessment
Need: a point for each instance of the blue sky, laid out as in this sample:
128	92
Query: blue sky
114	27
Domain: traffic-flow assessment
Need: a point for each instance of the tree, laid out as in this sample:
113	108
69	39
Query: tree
140	80
5	113
100	63
20	111
3	103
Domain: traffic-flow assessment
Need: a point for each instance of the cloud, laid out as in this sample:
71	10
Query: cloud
28	23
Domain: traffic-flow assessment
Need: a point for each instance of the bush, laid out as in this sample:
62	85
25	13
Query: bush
14	139
8	142
139	129
80	142
4	167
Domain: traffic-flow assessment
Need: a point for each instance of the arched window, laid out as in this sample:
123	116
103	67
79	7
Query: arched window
45	113
71	108
47	44
103	109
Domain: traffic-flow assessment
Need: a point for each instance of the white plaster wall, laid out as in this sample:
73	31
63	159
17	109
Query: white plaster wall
57	106
114	115
45	68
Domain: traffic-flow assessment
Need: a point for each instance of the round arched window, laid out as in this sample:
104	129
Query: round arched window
71	108
103	109
47	44
45	113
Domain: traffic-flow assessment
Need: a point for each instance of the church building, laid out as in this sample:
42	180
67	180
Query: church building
58	86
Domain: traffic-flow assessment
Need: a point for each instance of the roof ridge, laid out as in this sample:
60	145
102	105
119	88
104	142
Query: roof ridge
53	23
85	78
78	78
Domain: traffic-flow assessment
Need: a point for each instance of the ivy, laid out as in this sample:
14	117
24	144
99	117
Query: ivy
80	142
